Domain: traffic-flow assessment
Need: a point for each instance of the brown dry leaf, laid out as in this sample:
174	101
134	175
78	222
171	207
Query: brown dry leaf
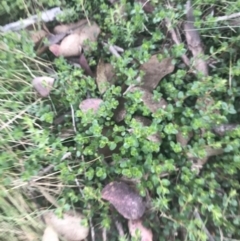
128	203
66	28
120	112
90	104
50	234
147	6
70	46
145	233
69	227
105	74
88	33
37	36
146	122
155	71
148	100
43	85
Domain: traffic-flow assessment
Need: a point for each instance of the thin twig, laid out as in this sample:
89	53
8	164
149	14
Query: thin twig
221	234
45	16
197	216
29	71
114	50
119	228
104	234
46	170
119	49
73	119
227	17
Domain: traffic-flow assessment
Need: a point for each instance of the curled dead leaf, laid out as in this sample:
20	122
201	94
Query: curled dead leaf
70	46
105	74
90	104
155	71
136	225
55	38
69	227
128	203
147	98
84	64
50	234
43	85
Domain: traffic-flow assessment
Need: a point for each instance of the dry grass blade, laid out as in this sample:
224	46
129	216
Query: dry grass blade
17	218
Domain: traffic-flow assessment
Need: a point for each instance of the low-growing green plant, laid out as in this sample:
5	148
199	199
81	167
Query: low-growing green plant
86	151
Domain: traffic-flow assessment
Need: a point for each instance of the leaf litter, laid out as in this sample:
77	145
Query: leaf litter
69	40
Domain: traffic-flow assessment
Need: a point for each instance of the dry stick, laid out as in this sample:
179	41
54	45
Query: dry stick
73	119
114	49
104	234
223	18
46	16
194	41
176	40
119	229
195	45
197	216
